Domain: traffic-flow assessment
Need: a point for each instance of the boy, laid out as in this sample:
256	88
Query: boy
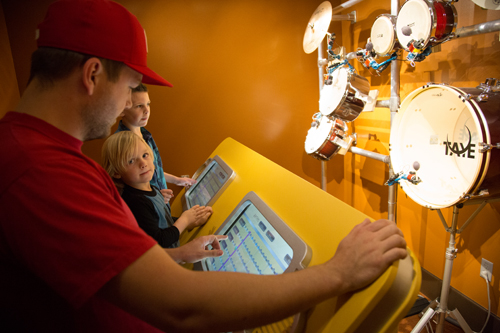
134	119
128	159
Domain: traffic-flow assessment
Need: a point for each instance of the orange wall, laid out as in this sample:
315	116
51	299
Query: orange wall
239	70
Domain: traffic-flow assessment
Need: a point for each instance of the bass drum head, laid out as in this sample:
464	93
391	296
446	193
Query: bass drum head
382	34
415	14
438	129
332	95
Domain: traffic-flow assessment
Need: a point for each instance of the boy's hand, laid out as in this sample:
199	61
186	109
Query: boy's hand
185	181
197	215
167	195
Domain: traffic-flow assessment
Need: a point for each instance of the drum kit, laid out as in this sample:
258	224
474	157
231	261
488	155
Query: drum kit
343	95
443	139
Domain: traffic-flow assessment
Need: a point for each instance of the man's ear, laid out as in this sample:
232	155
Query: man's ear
92	74
116	176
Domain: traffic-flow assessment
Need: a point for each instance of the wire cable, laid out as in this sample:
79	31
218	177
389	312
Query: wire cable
489	303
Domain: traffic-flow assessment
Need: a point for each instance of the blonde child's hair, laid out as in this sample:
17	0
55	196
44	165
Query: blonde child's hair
117	151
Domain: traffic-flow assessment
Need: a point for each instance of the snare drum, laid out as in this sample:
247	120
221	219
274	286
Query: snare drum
346	97
445	130
383	35
433	22
325	137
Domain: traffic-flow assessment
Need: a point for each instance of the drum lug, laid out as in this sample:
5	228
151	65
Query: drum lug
490	85
479	98
485	147
482	98
482	193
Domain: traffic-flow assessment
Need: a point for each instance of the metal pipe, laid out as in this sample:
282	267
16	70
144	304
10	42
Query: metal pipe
443	221
344	5
393	106
370	154
383	103
321	80
478	29
348	17
472	217
451	252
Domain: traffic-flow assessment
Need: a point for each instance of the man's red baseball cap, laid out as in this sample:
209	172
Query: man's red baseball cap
100	28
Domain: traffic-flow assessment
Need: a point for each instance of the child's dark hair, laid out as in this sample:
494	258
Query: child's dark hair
140	88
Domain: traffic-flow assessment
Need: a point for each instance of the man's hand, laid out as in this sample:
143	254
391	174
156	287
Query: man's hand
197	249
366	252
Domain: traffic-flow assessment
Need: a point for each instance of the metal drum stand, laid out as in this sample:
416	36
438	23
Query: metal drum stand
439	307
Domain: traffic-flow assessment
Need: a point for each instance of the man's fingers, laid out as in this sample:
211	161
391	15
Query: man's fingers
395	254
214	241
394	241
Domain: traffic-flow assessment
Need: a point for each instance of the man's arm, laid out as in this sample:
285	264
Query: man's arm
157	290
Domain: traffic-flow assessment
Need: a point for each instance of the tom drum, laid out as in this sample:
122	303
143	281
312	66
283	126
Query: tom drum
383	35
325	137
346	97
433	22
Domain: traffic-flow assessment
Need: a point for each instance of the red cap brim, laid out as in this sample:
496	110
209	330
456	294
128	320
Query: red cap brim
148	76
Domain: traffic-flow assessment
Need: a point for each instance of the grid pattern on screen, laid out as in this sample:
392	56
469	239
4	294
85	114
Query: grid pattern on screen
253	245
208	184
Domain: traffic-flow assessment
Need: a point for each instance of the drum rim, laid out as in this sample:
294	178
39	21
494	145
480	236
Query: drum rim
482	165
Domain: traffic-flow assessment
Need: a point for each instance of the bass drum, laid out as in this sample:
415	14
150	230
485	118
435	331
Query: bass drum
446	130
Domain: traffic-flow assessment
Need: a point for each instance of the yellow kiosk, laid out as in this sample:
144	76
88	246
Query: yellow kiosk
321	221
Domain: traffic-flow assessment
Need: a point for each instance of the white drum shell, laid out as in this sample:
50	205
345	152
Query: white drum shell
346	97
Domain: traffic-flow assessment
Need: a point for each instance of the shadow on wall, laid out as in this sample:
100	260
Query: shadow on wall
374	174
334	168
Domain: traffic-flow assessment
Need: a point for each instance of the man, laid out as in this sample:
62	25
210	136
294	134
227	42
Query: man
72	257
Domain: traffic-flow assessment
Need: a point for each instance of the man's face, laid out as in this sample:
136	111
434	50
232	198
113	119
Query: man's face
109	101
138	114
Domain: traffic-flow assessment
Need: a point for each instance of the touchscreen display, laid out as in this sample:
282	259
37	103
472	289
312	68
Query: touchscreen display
253	245
211	181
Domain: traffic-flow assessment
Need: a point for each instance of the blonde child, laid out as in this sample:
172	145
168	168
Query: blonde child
129	160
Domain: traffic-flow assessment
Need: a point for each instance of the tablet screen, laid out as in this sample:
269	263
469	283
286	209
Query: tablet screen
253	245
207	186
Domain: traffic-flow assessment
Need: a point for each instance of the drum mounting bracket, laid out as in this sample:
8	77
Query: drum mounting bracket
485	147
